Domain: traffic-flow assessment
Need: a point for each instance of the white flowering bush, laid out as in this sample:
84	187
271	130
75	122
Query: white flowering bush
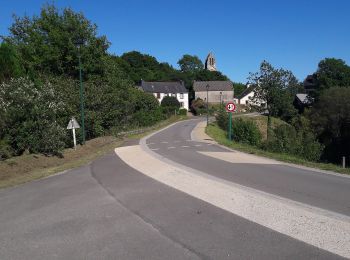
30	115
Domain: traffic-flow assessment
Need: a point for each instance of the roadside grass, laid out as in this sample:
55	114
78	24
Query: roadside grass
28	167
220	136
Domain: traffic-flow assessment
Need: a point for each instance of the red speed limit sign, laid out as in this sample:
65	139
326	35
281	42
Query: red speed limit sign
230	107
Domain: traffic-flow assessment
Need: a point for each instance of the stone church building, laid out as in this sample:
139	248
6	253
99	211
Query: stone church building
210	62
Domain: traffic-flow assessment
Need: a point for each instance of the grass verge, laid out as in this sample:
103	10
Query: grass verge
220	136
28	167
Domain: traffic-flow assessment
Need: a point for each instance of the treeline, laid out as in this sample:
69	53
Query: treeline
319	129
39	83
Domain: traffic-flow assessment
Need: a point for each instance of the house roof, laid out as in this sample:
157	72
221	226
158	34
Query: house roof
304	98
246	91
213	86
163	87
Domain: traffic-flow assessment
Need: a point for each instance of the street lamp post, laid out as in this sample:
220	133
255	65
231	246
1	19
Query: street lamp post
81	94
220	99
207	87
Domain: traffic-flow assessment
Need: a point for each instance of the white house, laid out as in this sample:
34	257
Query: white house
160	89
245	98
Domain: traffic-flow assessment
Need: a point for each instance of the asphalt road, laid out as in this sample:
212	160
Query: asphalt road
107	210
330	192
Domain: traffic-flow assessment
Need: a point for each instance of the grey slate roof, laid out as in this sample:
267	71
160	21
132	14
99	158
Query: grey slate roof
246	91
304	99
199	86
163	87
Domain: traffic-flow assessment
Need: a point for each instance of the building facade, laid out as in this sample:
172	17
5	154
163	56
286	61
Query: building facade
217	91
160	89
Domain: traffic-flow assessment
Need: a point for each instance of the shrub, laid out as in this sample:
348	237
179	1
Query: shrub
182	112
169	105
222	119
246	131
301	142
198	106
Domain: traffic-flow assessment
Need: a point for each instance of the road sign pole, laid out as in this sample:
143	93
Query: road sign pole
230	126
74	139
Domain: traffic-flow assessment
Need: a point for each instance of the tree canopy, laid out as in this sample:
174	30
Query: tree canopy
189	63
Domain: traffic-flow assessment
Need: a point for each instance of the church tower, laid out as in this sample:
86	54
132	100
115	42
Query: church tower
210	62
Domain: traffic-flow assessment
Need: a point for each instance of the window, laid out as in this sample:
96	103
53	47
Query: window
158	95
181	95
181	104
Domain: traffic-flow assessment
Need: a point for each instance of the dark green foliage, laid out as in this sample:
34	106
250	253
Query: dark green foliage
198	106
330	118
238	88
333	73
222	119
10	66
302	142
142	66
47	43
170	105
246	131
189	63
182	112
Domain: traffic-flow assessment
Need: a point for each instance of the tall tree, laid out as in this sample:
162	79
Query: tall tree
330	117
274	92
47	43
189	63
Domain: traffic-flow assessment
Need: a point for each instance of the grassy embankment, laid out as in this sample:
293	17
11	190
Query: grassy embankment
27	167
220	136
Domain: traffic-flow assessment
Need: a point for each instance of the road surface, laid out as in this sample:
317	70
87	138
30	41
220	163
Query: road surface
109	210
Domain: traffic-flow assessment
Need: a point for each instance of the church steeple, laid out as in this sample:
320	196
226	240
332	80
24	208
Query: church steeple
210	62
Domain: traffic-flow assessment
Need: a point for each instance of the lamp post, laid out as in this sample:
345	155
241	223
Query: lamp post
79	44
220	99
207	87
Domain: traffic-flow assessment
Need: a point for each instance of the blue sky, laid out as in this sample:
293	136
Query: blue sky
294	35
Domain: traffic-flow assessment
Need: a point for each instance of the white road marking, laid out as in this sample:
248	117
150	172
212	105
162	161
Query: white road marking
184	146
151	143
321	228
164	142
197	145
177	141
155	149
171	147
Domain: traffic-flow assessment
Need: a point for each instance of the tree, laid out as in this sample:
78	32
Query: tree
238	88
10	65
189	63
170	104
330	73
274	92
330	117
47	43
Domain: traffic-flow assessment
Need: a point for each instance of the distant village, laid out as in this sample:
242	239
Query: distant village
213	92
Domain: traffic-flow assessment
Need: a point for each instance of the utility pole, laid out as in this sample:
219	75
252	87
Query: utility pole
207	87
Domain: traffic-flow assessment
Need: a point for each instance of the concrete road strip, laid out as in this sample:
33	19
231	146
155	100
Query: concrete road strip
317	227
238	157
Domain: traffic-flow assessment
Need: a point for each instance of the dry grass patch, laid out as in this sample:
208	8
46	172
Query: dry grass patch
28	167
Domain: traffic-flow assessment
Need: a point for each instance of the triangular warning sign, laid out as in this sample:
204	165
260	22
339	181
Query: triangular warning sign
73	124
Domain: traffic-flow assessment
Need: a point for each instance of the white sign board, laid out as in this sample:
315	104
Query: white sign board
73	124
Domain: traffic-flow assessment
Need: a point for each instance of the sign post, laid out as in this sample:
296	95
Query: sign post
230	108
73	124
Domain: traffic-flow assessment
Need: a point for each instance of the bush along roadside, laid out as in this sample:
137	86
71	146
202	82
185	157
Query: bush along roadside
220	136
295	139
